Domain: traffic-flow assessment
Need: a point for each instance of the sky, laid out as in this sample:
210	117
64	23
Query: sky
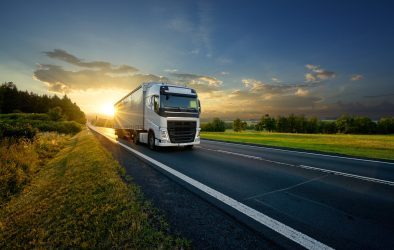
244	58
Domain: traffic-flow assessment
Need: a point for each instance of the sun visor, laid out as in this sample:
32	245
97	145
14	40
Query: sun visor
184	91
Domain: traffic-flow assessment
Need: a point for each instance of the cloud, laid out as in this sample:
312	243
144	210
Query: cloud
100	65
170	70
90	75
302	92
275	79
317	74
259	87
224	73
201	83
356	77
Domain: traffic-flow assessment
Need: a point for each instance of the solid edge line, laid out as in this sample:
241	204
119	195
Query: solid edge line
298	152
288	232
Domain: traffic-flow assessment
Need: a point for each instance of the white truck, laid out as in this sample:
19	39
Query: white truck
159	114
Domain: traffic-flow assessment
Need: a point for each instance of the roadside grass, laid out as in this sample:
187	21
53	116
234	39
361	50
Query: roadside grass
371	146
79	200
21	158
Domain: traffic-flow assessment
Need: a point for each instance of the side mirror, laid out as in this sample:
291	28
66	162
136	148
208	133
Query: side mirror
199	107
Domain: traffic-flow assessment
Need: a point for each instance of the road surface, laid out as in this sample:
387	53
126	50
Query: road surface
306	199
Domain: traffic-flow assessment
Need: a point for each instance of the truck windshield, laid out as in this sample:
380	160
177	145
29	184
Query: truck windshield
178	102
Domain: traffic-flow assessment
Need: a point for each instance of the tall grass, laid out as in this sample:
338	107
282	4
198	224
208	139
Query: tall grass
21	158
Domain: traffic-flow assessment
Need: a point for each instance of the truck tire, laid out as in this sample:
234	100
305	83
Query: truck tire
136	138
151	141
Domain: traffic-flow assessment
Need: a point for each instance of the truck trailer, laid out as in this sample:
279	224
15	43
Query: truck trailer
159	115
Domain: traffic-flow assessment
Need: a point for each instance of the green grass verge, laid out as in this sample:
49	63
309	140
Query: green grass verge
79	200
372	146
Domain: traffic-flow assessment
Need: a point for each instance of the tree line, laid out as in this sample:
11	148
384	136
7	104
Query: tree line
345	124
13	100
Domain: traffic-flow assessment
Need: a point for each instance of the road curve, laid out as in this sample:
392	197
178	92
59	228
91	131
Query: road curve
337	202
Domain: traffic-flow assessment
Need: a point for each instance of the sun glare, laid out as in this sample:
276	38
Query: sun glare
107	109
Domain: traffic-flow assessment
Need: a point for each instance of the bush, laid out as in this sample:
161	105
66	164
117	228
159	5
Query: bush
17	131
64	127
216	125
23	127
25	116
55	114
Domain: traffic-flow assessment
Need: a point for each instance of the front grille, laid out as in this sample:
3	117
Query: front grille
181	131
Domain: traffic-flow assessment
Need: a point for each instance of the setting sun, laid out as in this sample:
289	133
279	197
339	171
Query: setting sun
107	109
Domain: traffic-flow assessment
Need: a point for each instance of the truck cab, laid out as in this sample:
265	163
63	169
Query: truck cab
160	115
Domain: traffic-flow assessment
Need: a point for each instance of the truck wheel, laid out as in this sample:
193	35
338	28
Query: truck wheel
151	141
135	138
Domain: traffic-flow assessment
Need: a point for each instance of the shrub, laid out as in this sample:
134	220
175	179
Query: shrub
17	131
55	114
64	127
216	125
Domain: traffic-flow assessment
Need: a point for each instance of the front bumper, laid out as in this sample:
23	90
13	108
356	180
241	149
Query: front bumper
162	143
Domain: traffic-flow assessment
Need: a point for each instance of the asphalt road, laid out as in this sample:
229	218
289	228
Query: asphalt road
338	202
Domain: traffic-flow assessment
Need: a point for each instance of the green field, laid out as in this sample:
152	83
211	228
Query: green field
371	146
77	200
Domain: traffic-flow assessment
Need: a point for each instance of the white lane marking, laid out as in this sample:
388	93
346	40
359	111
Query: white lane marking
360	177
300	152
390	183
288	232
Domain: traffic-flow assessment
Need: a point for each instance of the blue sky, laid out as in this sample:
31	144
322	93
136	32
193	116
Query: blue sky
245	59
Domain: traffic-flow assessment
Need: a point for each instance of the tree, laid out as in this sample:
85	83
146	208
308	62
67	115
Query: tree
312	125
345	124
282	124
239	125
364	125
12	100
386	125
216	125
55	114
266	123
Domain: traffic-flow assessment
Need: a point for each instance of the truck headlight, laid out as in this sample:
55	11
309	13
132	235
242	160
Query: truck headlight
163	134
198	133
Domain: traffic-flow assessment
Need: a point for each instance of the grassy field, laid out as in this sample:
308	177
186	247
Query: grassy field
79	200
373	146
